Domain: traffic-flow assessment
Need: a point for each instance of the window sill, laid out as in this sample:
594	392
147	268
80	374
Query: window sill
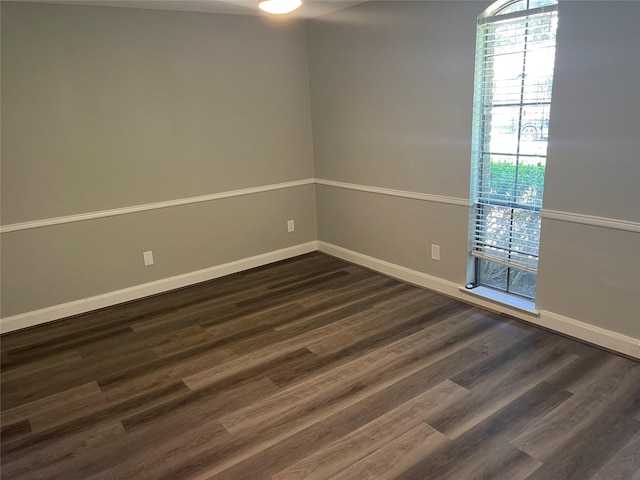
503	298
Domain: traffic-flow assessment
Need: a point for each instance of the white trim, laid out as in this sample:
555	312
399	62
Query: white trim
43	315
626	225
592	220
519	303
590	333
56	312
440	285
151	206
396	193
583	331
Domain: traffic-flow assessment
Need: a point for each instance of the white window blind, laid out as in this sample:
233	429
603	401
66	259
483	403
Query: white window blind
515	59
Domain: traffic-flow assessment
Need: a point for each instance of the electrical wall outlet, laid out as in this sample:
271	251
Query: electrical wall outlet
435	252
148	258
291	226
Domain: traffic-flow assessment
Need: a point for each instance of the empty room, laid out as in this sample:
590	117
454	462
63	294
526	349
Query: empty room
328	239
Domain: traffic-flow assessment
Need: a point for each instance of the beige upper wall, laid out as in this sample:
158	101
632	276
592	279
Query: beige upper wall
593	162
109	107
591	273
391	89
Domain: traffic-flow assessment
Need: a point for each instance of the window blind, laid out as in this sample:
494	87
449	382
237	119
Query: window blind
514	74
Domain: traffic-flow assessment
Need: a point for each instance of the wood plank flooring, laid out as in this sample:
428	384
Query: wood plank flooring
312	368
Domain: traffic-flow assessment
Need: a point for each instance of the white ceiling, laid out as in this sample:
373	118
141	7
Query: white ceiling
309	8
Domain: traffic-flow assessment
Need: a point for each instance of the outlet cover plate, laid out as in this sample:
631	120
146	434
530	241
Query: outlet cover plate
148	258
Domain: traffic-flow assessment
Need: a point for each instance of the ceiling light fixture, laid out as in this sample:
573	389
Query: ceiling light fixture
279	7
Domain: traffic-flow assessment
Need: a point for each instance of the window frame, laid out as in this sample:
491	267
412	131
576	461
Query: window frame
479	185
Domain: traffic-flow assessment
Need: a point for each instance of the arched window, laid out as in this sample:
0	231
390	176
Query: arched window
515	56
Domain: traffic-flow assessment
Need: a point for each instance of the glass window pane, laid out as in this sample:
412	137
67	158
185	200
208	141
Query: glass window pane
502	175
522	283
496	229
505	37
541	3
492	274
530	185
514	7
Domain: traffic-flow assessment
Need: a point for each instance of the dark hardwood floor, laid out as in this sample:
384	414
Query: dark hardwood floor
312	368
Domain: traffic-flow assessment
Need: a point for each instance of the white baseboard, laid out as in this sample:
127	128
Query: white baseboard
583	331
56	312
391	269
590	333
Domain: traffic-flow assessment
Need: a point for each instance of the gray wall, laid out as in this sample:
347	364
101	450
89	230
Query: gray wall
391	90
106	107
593	273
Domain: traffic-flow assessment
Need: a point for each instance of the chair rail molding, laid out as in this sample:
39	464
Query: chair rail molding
80	217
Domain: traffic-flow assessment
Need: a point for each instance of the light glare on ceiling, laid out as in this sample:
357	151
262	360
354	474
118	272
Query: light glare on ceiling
279	7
